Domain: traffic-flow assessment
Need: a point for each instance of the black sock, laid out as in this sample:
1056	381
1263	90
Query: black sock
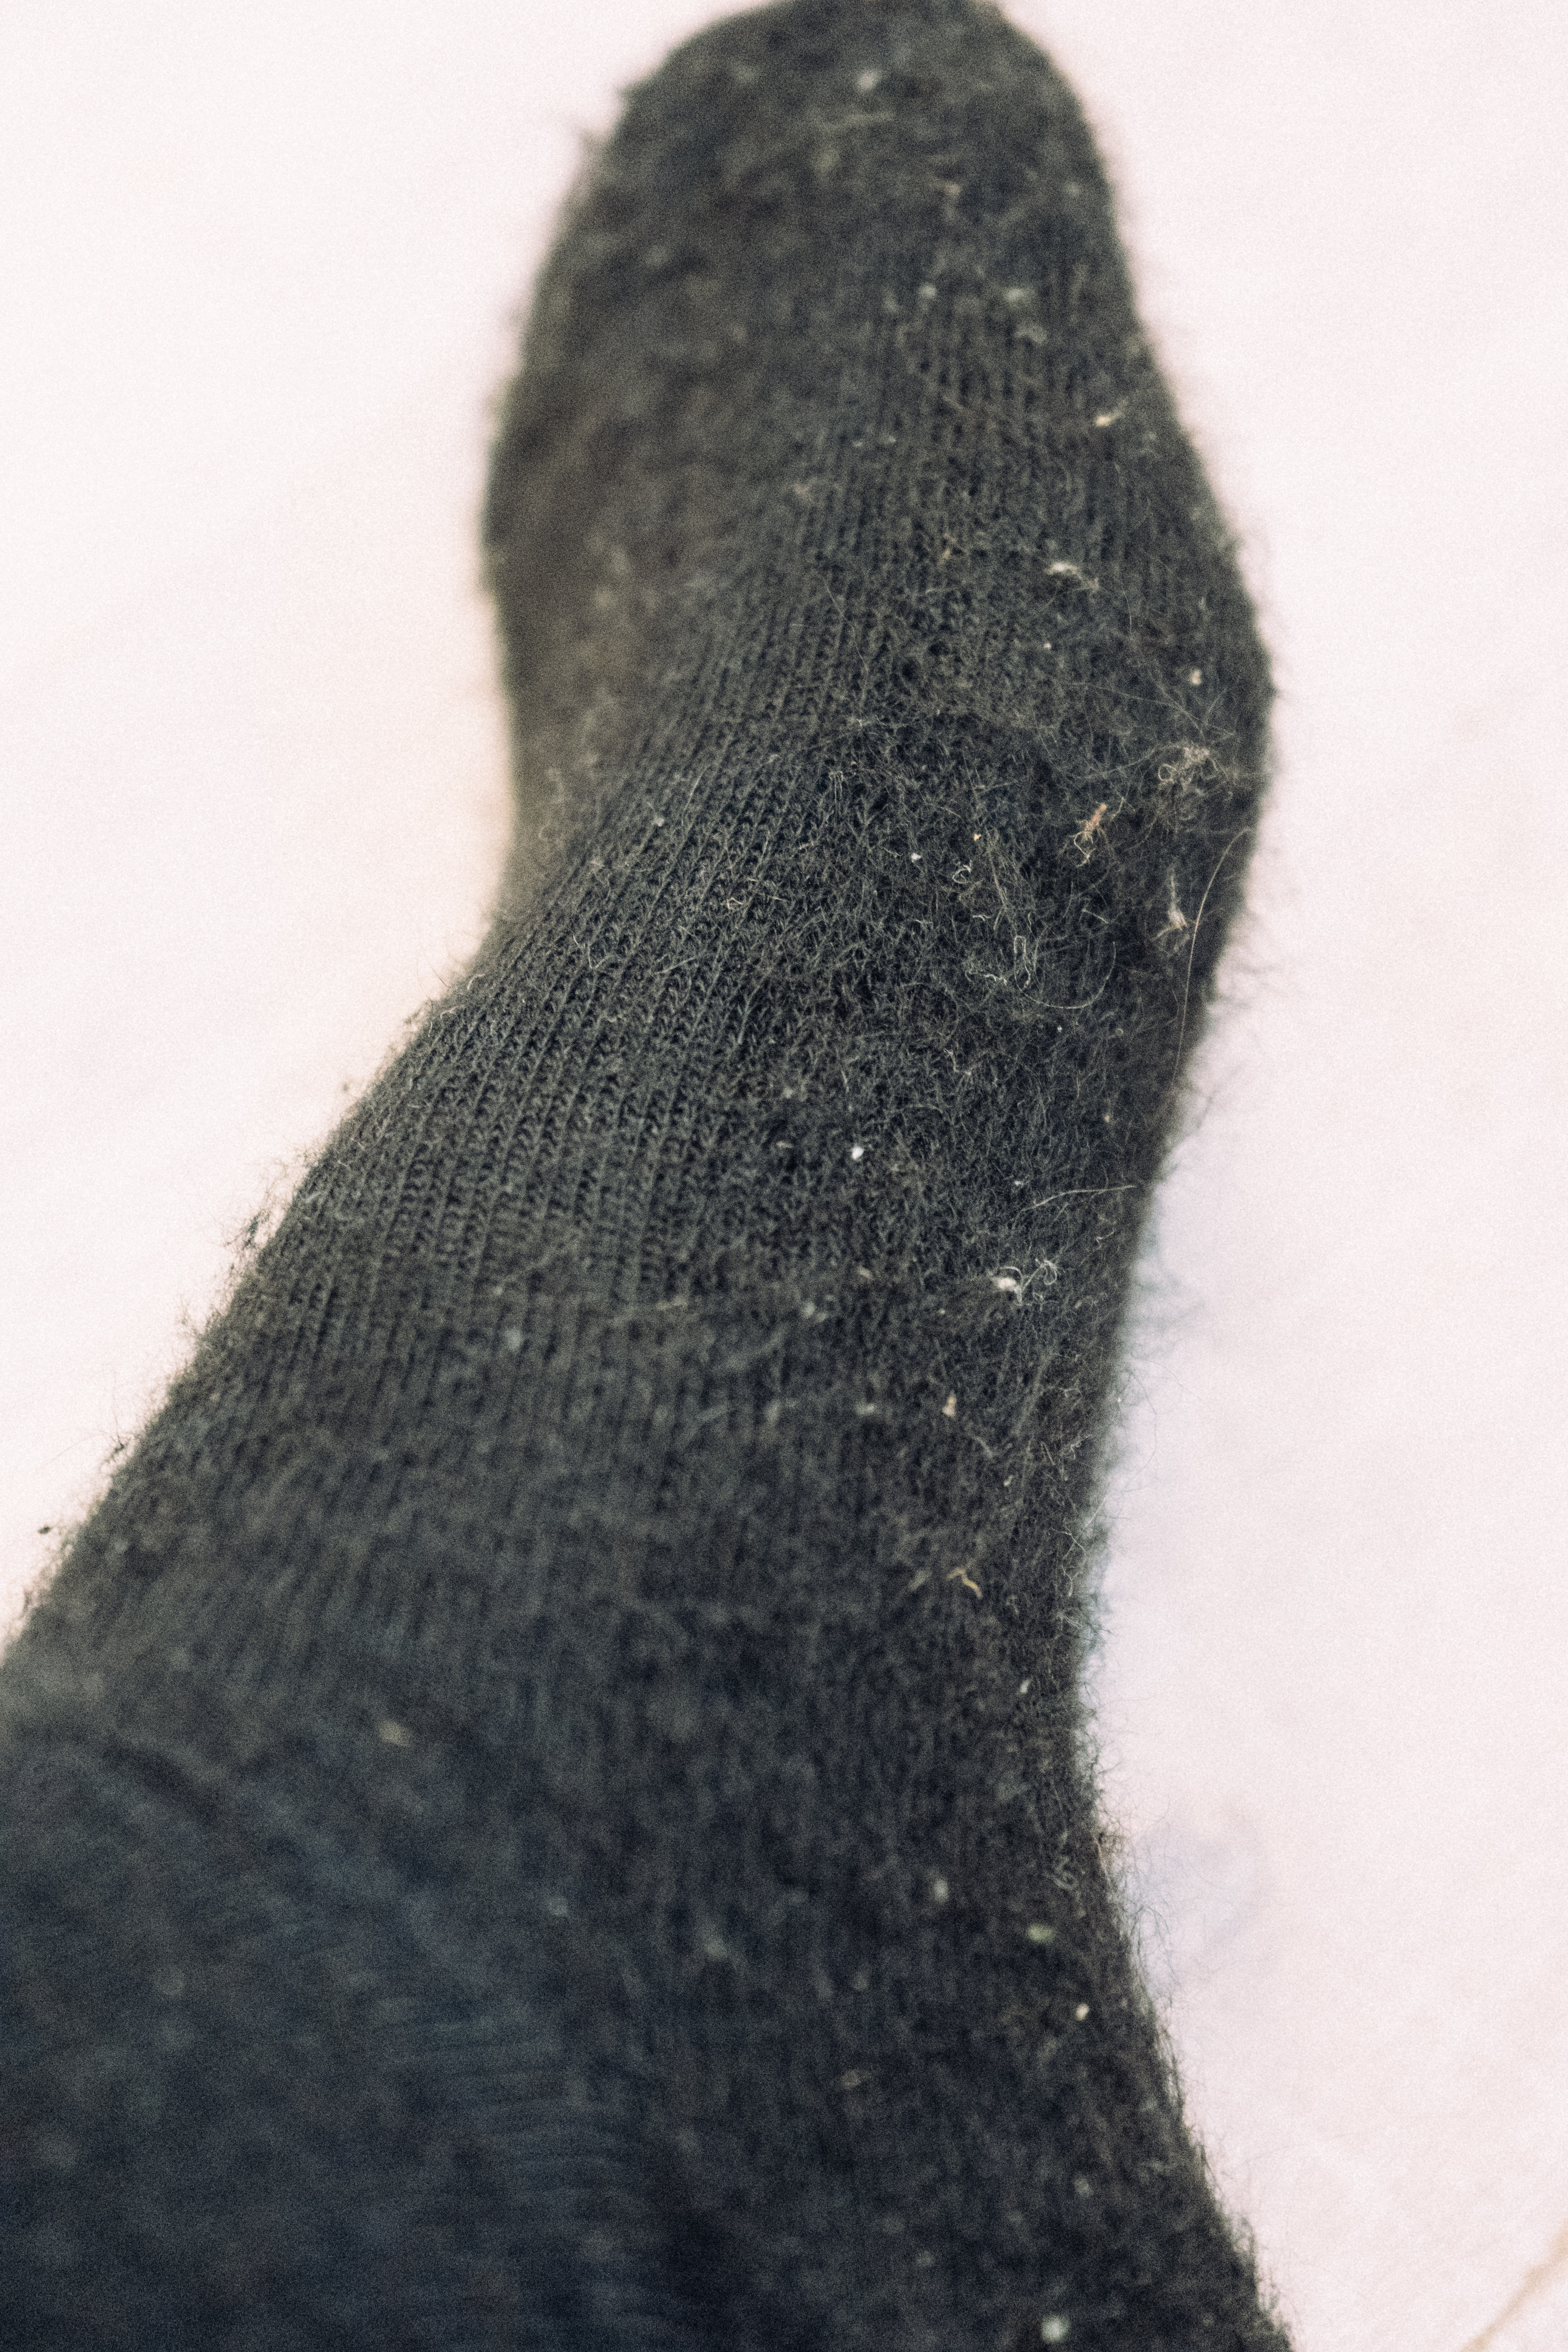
547	1806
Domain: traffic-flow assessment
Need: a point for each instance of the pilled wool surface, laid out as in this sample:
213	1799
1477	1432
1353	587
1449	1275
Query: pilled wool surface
548	1805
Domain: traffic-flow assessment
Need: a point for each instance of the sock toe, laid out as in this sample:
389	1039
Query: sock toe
842	304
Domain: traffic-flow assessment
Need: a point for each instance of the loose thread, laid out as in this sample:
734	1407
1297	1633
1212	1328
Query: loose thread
1192	951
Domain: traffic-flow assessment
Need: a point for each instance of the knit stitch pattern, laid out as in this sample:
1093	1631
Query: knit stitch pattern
549	1804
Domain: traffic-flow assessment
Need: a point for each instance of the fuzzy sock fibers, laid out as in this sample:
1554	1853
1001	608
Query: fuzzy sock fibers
546	1808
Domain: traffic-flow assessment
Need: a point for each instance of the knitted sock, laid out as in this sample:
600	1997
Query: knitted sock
547	1806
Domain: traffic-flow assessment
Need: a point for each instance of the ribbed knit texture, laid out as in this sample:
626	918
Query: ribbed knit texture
548	1806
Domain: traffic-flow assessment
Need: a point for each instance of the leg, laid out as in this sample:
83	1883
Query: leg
546	1805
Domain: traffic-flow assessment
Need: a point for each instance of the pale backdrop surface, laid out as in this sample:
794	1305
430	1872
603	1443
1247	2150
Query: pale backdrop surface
257	271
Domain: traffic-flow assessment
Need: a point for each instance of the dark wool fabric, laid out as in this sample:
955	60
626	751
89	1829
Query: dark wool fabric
547	1806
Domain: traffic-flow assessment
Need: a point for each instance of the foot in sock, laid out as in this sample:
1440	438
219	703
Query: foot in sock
547	1805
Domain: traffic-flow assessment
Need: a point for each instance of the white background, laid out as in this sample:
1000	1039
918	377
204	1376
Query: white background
258	277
